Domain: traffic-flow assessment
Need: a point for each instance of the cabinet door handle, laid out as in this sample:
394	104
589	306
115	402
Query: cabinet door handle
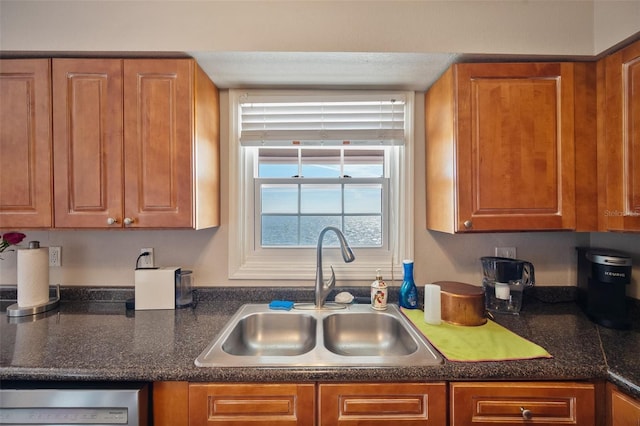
526	414
112	221
128	221
468	224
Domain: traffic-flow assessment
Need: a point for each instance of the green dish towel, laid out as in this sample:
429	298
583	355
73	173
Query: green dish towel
487	342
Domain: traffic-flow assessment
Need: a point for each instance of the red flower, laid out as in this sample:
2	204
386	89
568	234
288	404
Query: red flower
13	238
10	239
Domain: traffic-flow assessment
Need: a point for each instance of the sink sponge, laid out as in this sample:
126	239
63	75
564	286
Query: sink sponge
283	305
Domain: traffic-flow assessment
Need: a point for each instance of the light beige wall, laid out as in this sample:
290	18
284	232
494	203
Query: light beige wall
614	21
106	258
546	27
471	26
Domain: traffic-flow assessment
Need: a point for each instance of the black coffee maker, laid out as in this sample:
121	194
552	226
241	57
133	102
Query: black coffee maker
603	276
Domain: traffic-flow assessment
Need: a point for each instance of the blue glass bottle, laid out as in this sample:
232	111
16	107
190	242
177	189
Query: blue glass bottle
408	291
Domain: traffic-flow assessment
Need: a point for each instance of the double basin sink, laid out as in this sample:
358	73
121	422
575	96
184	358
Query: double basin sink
357	335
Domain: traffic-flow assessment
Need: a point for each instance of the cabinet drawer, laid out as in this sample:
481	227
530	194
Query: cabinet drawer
251	404
548	403
382	403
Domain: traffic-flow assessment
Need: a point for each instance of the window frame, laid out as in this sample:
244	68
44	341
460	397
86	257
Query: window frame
249	261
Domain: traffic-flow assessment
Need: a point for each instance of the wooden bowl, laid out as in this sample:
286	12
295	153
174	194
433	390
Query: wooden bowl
462	304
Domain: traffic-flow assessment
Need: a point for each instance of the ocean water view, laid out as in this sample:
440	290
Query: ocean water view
303	231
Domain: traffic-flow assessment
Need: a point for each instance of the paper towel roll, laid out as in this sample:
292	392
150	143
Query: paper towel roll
432	304
33	277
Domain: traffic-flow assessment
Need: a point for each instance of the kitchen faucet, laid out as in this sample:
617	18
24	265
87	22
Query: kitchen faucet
323	288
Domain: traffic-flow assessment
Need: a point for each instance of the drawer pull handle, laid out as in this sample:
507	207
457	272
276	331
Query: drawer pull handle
526	414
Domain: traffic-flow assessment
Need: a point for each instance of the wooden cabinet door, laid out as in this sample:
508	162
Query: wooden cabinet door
87	123
623	410
158	137
382	403
500	148
251	404
514	403
622	139
25	143
515	147
170	402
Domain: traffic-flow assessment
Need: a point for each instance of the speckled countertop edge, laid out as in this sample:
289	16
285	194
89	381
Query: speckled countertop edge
594	360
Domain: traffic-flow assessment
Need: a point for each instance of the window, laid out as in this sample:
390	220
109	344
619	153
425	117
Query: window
299	191
304	160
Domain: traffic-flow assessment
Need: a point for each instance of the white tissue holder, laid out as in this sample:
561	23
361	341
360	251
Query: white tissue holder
155	288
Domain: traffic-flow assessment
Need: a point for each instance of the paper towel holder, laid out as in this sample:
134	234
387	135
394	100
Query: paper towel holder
22	311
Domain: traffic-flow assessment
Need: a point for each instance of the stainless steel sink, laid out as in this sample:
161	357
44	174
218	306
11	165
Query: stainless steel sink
266	333
367	334
257	336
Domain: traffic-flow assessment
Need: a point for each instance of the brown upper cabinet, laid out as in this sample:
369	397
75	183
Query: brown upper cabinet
501	146
619	140
87	114
136	144
25	143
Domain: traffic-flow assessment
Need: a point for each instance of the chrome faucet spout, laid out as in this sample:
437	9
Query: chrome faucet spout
322	287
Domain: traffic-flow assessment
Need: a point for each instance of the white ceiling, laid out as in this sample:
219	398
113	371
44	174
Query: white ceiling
400	71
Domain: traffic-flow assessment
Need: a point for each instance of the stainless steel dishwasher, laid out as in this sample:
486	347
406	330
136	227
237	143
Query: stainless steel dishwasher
55	403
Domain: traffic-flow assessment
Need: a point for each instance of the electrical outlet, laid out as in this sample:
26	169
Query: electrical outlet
146	261
55	256
509	252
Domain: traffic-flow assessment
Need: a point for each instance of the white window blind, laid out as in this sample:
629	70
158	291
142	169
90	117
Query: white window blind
269	152
322	119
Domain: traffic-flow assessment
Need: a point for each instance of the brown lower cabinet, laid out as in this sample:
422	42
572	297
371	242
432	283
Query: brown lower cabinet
382	404
350	404
305	404
251	404
623	409
170	403
515	403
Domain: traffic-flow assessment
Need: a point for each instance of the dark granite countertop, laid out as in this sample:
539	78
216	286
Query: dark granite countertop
91	336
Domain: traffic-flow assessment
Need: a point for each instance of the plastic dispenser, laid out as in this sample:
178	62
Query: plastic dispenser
408	291
379	293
